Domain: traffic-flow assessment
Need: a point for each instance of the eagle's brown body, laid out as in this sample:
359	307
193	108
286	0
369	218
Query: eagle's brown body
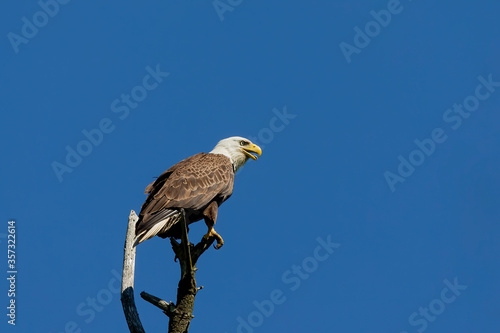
199	184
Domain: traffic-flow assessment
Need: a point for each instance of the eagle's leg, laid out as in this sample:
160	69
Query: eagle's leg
210	216
212	233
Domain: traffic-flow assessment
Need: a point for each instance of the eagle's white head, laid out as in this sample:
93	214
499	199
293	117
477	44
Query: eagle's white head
238	150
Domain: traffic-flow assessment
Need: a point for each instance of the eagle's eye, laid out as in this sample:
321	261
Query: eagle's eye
243	143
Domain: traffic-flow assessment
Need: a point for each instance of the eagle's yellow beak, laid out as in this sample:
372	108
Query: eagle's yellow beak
252	148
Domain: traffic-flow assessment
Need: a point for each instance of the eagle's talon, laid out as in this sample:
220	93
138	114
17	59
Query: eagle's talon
213	234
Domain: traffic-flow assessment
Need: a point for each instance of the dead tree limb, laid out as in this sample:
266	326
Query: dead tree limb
181	313
127	298
186	292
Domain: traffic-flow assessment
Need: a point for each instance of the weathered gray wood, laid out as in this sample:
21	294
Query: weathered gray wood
181	313
127	295
167	307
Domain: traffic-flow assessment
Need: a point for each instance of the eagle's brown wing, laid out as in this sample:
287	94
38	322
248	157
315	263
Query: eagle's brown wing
191	184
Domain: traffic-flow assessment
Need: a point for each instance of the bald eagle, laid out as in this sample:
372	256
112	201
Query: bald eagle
199	184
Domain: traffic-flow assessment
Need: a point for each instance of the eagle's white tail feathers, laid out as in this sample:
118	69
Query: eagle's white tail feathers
160	227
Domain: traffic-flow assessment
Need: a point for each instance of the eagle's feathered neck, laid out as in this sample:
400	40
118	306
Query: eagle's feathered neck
237	157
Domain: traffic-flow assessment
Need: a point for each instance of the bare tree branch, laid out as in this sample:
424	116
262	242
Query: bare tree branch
127	298
167	307
186	291
181	313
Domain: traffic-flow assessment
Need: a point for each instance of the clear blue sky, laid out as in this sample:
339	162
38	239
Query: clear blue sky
381	137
